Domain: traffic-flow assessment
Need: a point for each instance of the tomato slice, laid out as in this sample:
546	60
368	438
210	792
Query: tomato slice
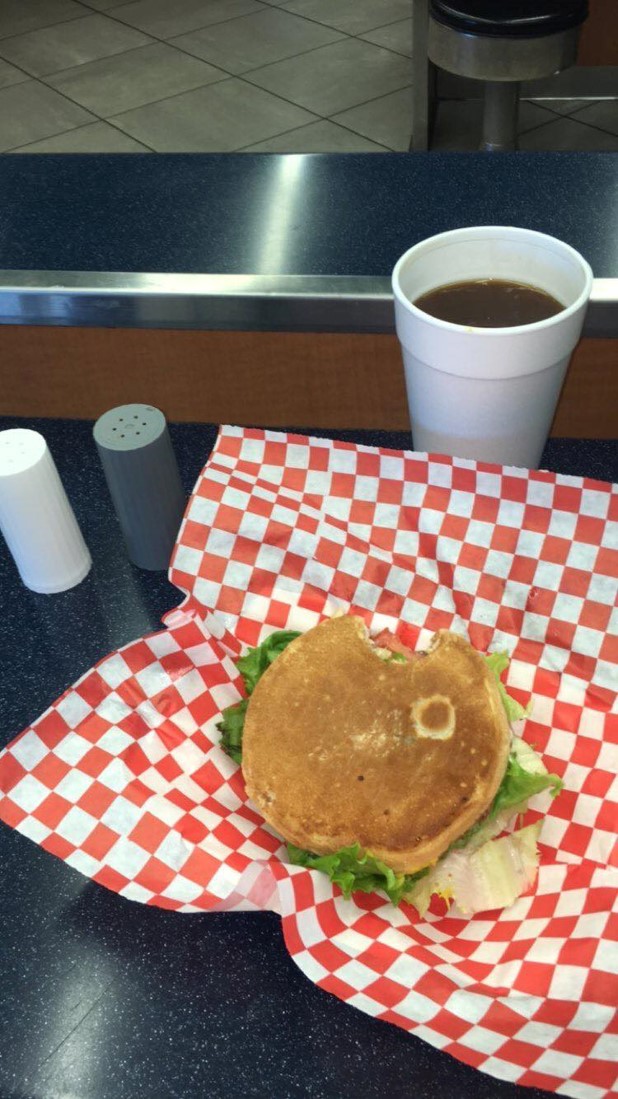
388	640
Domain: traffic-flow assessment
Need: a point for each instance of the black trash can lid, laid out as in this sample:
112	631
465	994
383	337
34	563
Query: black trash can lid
510	18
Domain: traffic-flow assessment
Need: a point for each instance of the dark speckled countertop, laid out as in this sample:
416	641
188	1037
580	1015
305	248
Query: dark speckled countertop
103	998
315	214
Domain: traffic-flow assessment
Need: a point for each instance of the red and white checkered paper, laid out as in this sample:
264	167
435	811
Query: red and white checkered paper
124	779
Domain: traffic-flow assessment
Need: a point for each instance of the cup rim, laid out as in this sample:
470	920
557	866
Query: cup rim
480	230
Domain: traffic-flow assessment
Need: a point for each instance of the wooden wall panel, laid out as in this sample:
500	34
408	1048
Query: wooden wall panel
598	41
318	379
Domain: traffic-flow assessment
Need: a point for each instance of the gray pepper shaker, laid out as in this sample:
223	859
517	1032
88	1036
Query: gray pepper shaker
142	475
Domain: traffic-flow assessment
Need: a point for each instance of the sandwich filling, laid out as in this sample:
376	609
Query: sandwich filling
386	769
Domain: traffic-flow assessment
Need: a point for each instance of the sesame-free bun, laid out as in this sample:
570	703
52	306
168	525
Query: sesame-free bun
341	746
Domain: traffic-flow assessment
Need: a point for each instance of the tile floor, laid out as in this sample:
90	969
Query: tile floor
227	75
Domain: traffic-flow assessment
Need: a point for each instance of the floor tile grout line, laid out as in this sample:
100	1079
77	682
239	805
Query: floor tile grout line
193	30
85	4
212	84
301	107
110	121
74	129
349	34
397	53
553	117
20	69
284	133
89	12
567	118
44	77
570	114
302	53
105	118
58	23
591	125
35	80
376	98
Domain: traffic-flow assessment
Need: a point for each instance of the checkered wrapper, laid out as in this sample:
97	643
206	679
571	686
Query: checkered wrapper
124	779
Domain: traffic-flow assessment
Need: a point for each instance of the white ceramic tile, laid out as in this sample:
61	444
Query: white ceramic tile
387	120
569	135
531	115
128	80
10	75
31	111
103	5
335	78
167	18
223	117
51	49
396	36
603	114
351	16
252	41
98	137
19	16
562	106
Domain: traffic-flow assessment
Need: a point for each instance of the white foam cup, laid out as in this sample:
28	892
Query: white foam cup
488	393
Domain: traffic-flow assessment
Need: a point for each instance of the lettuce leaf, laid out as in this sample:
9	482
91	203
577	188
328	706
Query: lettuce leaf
525	776
354	870
231	727
498	663
519	785
256	661
251	667
396	658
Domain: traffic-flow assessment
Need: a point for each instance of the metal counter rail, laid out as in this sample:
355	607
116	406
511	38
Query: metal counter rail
310	303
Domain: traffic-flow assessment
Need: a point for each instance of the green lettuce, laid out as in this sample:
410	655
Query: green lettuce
256	661
251	667
498	663
355	870
231	727
519	785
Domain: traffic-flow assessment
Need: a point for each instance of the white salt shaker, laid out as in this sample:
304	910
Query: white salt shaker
36	517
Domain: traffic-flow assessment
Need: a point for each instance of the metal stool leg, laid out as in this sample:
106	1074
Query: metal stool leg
500	111
423	79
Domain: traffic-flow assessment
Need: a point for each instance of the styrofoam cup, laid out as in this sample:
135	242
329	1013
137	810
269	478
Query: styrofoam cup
488	393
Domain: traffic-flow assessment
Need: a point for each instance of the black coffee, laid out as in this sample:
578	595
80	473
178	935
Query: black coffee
489	303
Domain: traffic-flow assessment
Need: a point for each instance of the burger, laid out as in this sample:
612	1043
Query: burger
390	770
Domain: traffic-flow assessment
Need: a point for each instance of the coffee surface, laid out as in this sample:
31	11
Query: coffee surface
489	303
